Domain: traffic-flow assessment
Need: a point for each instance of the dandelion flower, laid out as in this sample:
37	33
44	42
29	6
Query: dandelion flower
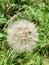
22	35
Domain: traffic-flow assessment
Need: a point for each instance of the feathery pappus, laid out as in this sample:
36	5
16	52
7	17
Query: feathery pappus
22	35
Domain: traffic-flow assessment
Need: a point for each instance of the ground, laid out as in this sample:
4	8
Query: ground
36	11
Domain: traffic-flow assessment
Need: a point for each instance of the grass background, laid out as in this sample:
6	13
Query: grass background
36	11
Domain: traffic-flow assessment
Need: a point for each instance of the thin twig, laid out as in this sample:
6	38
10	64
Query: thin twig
9	55
12	18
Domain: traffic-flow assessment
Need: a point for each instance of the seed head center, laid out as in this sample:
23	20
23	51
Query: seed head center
23	34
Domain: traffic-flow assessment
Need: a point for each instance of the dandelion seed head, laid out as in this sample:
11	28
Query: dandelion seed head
22	35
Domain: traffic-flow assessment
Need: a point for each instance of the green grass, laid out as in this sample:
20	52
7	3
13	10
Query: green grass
36	11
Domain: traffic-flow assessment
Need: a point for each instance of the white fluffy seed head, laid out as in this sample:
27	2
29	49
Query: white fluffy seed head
22	35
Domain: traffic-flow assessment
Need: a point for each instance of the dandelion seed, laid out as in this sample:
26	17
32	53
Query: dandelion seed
22	35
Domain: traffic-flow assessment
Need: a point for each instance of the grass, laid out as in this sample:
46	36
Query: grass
34	11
